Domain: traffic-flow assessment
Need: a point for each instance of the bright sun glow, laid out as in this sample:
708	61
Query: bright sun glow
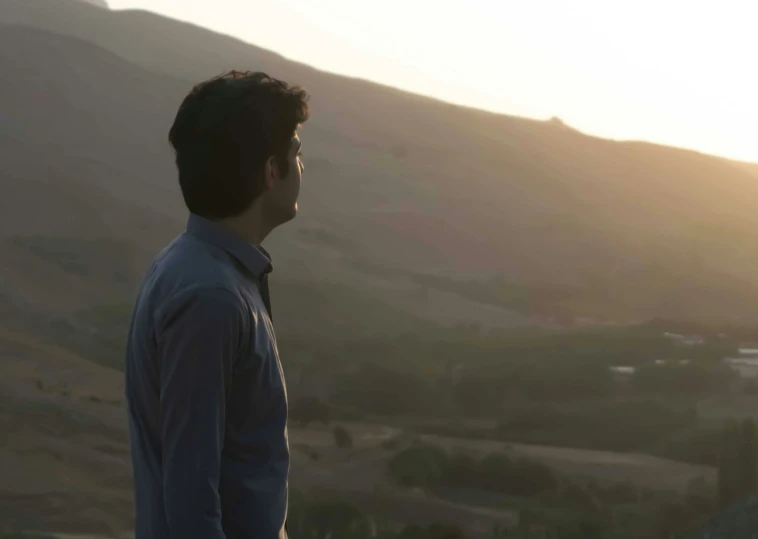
678	72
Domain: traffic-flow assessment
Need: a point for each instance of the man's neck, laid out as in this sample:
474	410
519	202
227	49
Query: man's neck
249	226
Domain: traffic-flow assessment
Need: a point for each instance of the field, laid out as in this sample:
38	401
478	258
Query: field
640	470
64	457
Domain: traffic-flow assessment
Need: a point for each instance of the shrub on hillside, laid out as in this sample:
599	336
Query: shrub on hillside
580	497
326	519
696	378
434	531
523	477
698	444
391	444
616	493
701	497
428	466
308	410
462	470
615	426
380	390
421	466
342	437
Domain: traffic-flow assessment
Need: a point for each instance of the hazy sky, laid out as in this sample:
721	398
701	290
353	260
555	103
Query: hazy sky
683	73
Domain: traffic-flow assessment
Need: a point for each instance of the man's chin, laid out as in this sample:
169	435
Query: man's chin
289	216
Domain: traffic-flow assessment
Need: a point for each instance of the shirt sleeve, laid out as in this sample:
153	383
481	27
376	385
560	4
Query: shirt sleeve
198	344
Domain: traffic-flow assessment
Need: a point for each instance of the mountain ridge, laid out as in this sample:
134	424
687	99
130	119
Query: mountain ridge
402	185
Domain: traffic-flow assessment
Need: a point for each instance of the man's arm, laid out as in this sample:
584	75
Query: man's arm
198	342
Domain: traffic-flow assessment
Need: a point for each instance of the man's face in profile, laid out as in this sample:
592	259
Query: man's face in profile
281	199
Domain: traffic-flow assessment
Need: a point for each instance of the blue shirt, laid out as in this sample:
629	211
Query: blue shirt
205	392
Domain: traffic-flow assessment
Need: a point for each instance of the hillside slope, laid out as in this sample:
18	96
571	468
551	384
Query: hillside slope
64	447
406	197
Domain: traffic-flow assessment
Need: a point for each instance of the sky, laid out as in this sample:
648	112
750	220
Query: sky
677	72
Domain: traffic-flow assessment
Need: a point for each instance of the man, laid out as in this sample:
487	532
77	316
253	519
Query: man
206	397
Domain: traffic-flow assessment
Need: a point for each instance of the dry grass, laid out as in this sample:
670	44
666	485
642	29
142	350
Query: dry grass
64	455
641	470
64	458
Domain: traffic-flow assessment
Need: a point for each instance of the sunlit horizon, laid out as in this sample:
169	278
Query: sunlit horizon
665	72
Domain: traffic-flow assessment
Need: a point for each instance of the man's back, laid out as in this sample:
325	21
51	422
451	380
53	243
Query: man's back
205	392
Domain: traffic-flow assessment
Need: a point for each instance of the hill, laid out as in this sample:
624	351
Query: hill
98	3
418	217
413	210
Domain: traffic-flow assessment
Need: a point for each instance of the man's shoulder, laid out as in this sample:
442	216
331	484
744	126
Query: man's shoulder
189	261
188	269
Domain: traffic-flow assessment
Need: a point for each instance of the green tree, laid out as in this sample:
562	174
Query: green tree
523	477
434	531
310	410
700	496
728	466
342	437
738	463
327	519
748	459
418	466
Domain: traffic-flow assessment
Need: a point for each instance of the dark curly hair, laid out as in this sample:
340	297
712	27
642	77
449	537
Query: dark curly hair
225	131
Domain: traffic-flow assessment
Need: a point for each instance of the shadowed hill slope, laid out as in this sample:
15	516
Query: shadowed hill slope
118	187
406	197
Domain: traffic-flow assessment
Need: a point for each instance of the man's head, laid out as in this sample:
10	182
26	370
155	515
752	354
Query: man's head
237	149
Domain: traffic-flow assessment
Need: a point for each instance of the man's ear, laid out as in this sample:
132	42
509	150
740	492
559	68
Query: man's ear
270	173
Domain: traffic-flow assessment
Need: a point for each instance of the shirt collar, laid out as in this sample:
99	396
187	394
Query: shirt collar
256	259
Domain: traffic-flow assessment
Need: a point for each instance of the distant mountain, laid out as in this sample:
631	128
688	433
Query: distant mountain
412	208
98	3
752	168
